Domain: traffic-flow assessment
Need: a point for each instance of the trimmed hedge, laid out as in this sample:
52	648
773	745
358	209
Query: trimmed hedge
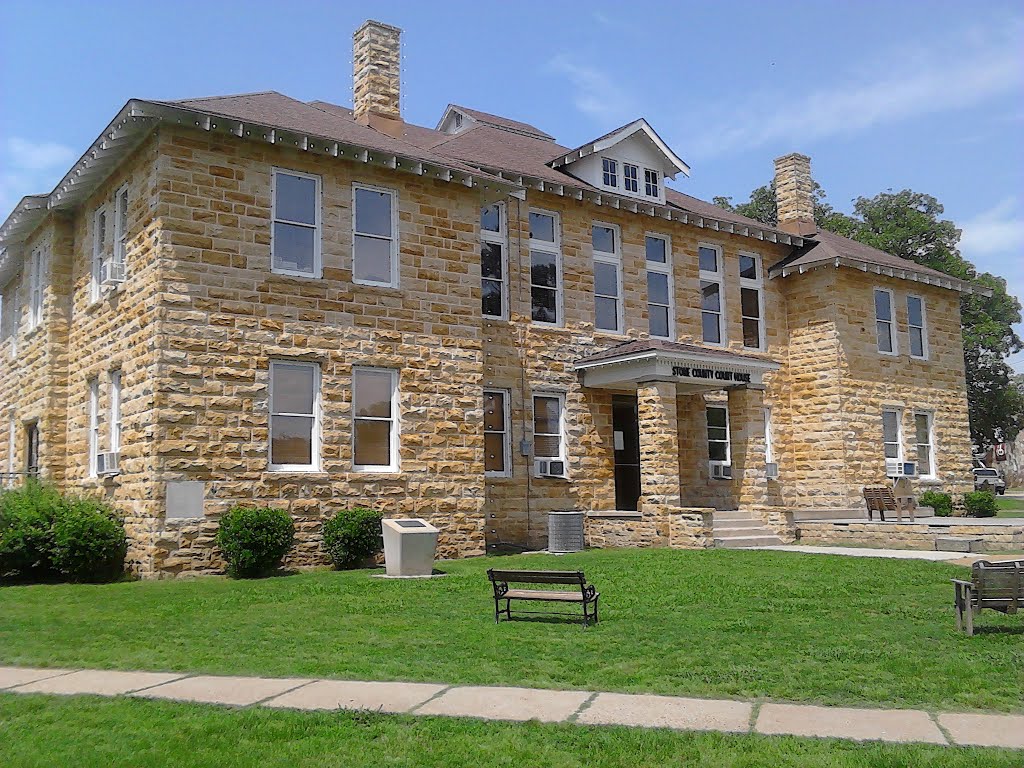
255	540
352	535
980	504
942	503
44	535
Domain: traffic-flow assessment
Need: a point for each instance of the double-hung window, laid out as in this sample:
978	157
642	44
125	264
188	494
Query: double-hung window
892	436
630	178
115	411
294	416
885	326
609	172
712	304
751	301
769	437
493	269
917	328
120	232
652	183
660	304
295	236
93	436
99	252
924	435
12	440
497	439
549	427
375	236
375	420
545	268
719	449
607	278
36	268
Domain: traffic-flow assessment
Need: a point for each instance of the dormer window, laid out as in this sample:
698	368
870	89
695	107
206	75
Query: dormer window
652	183
610	171
458	121
630	178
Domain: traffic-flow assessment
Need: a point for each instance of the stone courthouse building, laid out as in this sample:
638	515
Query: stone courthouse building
254	299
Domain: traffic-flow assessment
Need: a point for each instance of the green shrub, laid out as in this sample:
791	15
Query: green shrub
980	504
254	540
352	535
89	543
942	503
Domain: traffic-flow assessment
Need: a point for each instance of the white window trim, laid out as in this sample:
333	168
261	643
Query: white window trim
892	322
12	440
393	283
93	437
115	411
396	426
665	269
728	436
314	466
932	468
15	316
769	437
923	327
317	228
638	179
758	285
506	442
36	271
614	259
615	171
641	179
659	181
562	448
714	277
554	248
121	232
500	239
901	455
98	253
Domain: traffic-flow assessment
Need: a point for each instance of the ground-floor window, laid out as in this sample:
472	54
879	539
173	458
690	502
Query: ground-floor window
549	435
497	445
94	424
892	438
924	435
294	416
32	448
375	420
719	449
769	438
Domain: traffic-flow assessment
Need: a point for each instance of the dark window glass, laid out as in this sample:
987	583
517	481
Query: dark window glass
295	198
542	227
748	267
373	212
490	218
603	239
708	259
656	250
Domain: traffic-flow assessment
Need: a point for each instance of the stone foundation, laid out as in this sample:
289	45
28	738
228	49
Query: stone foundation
674	527
994	538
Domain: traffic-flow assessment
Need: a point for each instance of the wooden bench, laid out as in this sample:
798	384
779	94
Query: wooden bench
584	594
880	499
999	586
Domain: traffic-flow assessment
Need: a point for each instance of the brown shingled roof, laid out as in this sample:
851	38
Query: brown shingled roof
502	122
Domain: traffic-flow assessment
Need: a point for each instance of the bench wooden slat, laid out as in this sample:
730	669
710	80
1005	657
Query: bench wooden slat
537	577
564	596
996	586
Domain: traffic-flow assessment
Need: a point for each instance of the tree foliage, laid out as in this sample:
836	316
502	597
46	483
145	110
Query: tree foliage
908	224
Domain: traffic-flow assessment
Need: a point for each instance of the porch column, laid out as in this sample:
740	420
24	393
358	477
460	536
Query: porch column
746	422
659	446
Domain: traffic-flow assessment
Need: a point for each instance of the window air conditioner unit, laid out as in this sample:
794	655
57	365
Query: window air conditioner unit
112	274
896	468
771	470
909	469
108	463
721	471
549	468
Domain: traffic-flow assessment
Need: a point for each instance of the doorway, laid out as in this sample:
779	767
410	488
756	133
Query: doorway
626	432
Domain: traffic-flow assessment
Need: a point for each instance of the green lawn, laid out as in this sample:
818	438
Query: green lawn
725	623
87	732
1009	507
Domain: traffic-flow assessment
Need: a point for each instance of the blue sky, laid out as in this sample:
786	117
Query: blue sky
926	95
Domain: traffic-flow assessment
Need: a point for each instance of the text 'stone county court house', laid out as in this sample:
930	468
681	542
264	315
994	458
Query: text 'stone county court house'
255	299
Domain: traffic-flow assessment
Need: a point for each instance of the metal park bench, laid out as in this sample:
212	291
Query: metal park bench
584	594
880	499
998	586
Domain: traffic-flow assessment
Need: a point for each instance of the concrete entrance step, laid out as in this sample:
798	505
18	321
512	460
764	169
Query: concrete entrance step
736	525
731	514
746	542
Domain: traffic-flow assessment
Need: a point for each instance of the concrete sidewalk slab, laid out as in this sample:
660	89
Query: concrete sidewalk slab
238	691
14	676
500	703
648	711
899	725
985	730
894	554
101	682
342	694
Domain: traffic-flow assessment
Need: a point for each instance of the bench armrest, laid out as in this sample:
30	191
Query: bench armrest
963	583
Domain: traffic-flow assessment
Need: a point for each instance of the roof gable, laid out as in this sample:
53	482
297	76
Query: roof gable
638	130
457	119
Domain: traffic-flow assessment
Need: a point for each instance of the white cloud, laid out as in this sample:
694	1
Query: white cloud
999	229
28	168
906	83
37	156
595	93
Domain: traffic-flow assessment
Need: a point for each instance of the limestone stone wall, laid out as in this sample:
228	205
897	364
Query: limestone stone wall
909	535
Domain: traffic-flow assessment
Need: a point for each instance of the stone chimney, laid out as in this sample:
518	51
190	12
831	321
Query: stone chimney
794	194
376	77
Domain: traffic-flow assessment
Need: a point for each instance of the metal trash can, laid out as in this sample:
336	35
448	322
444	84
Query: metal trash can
565	531
409	546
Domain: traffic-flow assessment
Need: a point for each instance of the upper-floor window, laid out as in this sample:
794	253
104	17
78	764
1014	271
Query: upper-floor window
607	278
751	301
497	435
375	228
609	172
493	268
545	268
10	311
295	237
120	233
630	178
884	325
375	420
294	416
660	303
652	183
99	252
916	320
712	315
36	271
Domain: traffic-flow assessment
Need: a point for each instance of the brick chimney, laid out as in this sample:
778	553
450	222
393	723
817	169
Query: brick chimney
376	77
794	194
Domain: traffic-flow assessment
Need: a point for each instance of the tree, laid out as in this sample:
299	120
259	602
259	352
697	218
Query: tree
908	224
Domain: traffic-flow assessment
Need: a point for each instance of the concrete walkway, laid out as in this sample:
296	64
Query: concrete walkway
896	554
520	704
